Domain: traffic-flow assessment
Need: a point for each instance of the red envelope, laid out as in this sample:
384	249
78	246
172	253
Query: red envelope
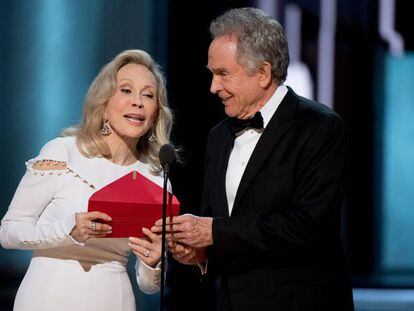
133	202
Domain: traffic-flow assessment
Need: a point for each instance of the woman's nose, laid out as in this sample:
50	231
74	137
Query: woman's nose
137	101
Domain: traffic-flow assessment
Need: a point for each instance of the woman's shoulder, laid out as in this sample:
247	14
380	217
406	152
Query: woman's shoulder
57	149
53	156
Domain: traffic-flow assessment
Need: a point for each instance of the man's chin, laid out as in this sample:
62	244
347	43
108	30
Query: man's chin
230	112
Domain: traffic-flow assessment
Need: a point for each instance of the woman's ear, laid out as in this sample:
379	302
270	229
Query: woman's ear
265	74
104	115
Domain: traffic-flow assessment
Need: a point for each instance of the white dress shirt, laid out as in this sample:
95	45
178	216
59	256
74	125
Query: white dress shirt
244	145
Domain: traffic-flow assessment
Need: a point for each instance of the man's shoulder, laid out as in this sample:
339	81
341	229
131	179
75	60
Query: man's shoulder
310	110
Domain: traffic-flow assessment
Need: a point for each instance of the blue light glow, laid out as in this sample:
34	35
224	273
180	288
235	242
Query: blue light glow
398	165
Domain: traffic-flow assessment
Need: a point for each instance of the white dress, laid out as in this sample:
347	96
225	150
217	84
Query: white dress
64	274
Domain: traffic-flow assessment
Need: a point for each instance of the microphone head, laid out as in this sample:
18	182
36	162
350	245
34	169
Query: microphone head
167	154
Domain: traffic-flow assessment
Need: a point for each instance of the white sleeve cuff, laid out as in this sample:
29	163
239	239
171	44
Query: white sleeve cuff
68	225
203	267
148	278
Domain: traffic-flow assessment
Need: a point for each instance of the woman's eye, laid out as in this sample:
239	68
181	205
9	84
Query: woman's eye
149	95
126	91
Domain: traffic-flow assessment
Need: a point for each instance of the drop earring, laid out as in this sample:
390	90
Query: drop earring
152	138
105	128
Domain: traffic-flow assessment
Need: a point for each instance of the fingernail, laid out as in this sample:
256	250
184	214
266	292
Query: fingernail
132	239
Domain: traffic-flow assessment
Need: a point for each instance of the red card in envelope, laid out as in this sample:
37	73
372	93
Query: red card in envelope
133	202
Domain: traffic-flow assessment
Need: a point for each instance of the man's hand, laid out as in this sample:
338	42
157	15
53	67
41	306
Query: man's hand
189	230
186	255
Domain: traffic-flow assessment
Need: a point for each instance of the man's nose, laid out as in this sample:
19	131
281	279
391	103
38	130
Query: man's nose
215	85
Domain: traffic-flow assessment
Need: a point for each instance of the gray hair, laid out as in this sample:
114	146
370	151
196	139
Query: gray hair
260	38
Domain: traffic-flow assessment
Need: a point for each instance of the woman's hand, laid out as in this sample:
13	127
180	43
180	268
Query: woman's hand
149	249
86	226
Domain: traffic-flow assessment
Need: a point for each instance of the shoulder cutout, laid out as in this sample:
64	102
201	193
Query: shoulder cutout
49	165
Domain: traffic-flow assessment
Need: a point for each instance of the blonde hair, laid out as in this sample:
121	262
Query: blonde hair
87	132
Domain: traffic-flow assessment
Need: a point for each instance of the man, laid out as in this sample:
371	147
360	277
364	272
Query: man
274	178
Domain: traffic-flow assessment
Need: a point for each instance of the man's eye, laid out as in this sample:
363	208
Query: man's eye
126	91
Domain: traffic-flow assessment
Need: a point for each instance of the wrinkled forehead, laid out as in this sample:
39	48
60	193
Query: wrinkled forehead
222	49
225	43
136	73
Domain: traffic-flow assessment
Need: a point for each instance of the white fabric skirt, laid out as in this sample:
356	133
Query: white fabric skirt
55	284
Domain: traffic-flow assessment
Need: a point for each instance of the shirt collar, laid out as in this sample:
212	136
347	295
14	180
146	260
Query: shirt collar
270	107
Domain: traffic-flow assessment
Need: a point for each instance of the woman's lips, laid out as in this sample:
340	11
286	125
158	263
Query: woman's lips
135	119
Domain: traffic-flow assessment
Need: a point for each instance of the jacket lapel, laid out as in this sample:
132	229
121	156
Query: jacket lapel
222	205
278	125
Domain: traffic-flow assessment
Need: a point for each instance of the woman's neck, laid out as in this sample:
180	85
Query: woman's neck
123	150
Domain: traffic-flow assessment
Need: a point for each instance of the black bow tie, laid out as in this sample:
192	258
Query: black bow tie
237	125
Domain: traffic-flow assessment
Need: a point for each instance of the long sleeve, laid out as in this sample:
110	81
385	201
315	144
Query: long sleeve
23	227
148	278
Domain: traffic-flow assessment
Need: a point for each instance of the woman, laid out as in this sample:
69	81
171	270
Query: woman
125	122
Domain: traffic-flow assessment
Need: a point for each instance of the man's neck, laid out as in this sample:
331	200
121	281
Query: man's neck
267	94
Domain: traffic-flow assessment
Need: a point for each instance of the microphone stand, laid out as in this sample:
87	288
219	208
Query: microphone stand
163	234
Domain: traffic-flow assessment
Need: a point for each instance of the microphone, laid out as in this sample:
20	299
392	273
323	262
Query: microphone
167	155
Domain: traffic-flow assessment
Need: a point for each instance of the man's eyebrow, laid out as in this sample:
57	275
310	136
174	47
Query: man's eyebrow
216	70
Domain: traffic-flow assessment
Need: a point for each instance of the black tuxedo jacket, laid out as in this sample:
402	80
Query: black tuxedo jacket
281	248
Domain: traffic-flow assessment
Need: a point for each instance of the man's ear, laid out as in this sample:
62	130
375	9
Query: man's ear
265	74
